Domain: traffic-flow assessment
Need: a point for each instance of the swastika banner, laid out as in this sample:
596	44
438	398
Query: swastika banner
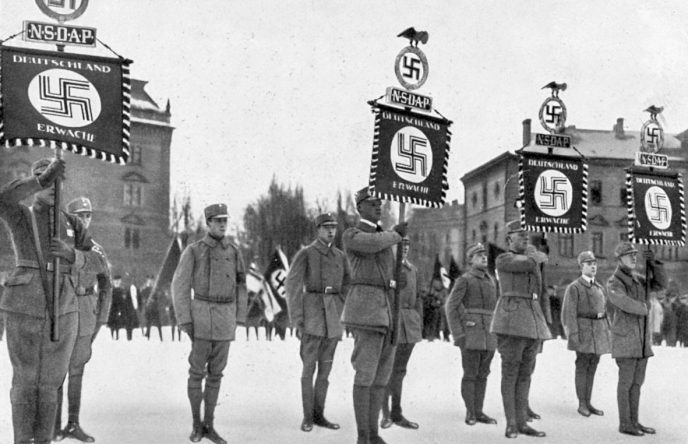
656	207
553	192
410	157
74	102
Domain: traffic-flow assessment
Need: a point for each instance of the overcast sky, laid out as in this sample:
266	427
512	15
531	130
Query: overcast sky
261	88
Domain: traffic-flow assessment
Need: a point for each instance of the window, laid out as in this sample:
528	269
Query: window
473	236
565	242
474	199
132	238
598	244
595	192
495	232
622	196
497	190
135	158
133	194
484	195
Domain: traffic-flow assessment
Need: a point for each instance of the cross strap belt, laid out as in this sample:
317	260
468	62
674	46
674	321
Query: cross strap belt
65	269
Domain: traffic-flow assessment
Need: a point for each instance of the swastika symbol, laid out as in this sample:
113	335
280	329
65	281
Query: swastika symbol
652	135
411	69
66	104
553	193
412	155
658	207
278	280
552	114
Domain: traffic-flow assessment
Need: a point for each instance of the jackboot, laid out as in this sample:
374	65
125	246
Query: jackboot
210	433
377	397
307	403
74	430
319	397
361	395
195	395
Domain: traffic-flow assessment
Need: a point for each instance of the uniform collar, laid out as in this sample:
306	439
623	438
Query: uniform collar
477	272
588	282
625	274
321	246
368	226
211	242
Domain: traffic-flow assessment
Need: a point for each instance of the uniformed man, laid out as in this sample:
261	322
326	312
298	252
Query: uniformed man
469	311
214	270
368	311
519	324
317	283
39	365
631	336
585	322
410	333
93	290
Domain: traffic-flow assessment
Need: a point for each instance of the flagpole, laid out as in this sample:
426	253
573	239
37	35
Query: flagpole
397	275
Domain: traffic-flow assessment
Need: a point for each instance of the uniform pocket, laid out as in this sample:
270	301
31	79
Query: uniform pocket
18	279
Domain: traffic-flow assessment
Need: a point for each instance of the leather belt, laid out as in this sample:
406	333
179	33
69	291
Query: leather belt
515	294
375	283
592	315
213	300
326	290
65	269
80	291
480	311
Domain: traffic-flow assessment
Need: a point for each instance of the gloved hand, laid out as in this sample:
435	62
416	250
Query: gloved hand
188	329
59	248
401	228
53	171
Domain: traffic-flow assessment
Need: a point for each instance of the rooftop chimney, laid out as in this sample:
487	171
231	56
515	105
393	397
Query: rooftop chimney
526	132
618	129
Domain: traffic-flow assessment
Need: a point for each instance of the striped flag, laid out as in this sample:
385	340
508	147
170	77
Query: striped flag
275	278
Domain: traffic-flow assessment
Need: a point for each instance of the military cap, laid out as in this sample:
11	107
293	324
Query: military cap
325	219
79	205
117	276
216	210
514	226
39	166
475	249
624	248
586	256
364	194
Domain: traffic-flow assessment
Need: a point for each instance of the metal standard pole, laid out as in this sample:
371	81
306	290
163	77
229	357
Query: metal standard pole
397	275
54	325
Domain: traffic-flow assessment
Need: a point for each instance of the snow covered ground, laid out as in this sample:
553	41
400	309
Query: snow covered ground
135	393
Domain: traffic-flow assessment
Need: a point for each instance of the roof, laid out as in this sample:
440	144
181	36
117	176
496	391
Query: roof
140	100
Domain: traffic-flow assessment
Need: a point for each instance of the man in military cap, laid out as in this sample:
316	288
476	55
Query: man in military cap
631	335
316	287
93	291
585	322
469	311
39	364
214	270
519	324
410	333
368	311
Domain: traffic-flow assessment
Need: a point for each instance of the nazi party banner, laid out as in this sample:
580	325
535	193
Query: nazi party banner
553	192
656	208
70	101
410	157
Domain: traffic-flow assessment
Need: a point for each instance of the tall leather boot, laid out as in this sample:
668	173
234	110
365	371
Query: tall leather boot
480	388
58	435
361	412
320	389
195	395
377	397
468	393
73	429
211	394
24	401
307	401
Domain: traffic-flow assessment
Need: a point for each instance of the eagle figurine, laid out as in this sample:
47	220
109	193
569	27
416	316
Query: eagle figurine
414	36
555	87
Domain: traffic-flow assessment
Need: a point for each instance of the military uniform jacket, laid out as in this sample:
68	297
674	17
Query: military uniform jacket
585	331
213	273
518	311
317	283
369	301
24	288
469	308
94	293
628	310
411	307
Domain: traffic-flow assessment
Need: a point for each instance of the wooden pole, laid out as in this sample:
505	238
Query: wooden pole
55	315
397	275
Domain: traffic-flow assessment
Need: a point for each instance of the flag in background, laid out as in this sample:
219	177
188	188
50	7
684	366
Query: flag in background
454	270
441	273
275	277
163	279
263	295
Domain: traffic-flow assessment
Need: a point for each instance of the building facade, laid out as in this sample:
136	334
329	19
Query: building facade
131	203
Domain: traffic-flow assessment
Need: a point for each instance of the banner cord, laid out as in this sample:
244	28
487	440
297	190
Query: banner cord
108	47
11	37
